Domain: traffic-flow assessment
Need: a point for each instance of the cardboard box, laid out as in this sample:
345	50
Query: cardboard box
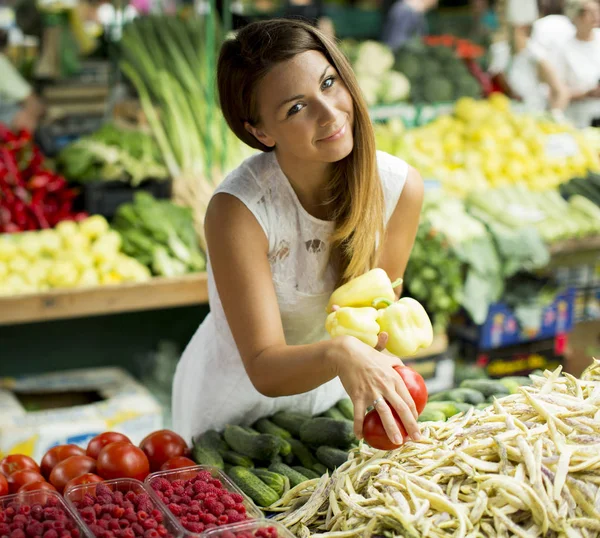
41	411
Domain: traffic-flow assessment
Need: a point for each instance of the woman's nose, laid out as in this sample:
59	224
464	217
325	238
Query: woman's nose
327	114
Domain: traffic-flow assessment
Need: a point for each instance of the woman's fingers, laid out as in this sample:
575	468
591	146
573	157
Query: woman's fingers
405	414
359	417
406	397
382	341
389	422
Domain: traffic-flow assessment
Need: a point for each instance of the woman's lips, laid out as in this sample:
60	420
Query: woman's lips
335	136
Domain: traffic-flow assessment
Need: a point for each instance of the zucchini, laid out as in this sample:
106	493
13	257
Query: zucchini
292	422
303	454
431	415
319	468
334	413
294	476
212	439
274	480
487	387
258	447
327	431
347	408
308	473
264	425
233	458
331	457
205	455
253	486
465	395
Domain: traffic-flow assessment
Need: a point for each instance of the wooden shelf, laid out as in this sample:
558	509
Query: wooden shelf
155	294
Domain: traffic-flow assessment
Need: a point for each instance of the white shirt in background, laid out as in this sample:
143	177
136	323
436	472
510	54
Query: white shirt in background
552	31
579	68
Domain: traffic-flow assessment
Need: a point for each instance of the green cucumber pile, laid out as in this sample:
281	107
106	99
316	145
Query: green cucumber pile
280	452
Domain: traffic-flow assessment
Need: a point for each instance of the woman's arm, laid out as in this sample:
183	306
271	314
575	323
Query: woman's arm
559	93
238	253
402	228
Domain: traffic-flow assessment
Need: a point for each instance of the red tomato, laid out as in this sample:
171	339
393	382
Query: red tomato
373	429
415	385
57	454
17	480
17	462
3	485
35	486
100	441
178	462
123	460
161	446
87	478
71	468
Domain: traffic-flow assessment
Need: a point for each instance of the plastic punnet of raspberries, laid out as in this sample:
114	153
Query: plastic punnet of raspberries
48	520
111	514
201	503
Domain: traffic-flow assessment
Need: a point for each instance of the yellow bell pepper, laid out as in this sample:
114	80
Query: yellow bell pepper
358	322
408	327
369	289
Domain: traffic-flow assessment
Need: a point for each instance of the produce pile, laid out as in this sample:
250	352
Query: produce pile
525	466
72	255
112	153
32	197
485	144
159	235
372	63
437	70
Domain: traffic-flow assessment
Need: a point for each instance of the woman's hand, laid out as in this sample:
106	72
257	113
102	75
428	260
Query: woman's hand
367	375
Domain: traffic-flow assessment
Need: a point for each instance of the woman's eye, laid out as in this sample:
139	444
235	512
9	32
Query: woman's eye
294	110
328	83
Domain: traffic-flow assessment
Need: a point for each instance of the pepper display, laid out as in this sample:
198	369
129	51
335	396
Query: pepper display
373	286
31	197
358	322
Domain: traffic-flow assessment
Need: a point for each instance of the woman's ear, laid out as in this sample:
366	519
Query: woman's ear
260	135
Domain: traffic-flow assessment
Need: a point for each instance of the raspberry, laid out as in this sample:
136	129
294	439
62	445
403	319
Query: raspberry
240	508
186	499
179	490
131	517
98	509
130	496
25	510
5	529
162	531
106	516
128	533
157	514
137	529
117	511
227	500
196	528
102	489
223	520
48	534
216	507
175	509
177	483
207	519
228	534
123	523
35	528
151	533
114	525
52	501
210	526
104	499
74	533
149	524
193	518
141	515
96	529
237	498
159	484
103	523
88	515
235	517
88	500
118	498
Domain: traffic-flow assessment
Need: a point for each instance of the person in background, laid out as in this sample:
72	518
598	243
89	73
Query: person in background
405	20
554	29
20	108
579	63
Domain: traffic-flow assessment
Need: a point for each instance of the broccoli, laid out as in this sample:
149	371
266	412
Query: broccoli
438	90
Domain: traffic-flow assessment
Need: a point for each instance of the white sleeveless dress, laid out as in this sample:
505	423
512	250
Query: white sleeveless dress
211	387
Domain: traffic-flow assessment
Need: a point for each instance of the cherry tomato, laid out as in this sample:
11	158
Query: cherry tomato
100	441
17	462
57	454
35	486
17	480
161	446
87	478
71	468
3	485
123	460
178	462
373	430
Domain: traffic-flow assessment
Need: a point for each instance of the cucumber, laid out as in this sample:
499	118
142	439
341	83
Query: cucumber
448	408
292	422
294	476
440	396
205	455
482	406
331	457
308	473
319	468
515	382
258	447
465	395
487	387
274	480
303	454
250	430
290	459
233	458
212	439
347	408
284	447
253	486
464	407
334	413
264	425
327	431
431	415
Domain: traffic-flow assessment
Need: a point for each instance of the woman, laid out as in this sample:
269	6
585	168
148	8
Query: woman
284	229
579	63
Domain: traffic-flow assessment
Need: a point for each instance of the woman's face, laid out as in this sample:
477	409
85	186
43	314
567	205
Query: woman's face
305	109
589	17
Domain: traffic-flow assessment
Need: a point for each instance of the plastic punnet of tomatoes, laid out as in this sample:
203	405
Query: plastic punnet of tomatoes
251	529
38	513
121	508
201	498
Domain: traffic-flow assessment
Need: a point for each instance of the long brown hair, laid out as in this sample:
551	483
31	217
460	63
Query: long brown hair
355	186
